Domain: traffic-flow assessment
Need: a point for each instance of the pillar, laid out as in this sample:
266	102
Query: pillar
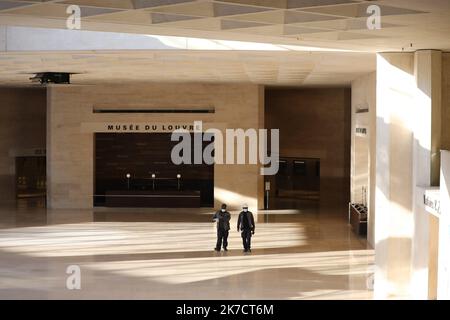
407	162
443	283
426	159
394	167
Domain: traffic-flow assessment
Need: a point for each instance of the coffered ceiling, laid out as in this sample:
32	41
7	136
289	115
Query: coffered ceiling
264	68
406	24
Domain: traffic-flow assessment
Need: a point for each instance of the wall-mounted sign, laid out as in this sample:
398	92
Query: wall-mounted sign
135	127
31	152
147	127
361	131
431	200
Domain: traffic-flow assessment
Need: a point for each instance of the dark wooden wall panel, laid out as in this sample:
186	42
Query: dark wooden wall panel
141	154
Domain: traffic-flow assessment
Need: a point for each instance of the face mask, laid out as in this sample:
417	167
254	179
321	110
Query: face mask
223	210
245	210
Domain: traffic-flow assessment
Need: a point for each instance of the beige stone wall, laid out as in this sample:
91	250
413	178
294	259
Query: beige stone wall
445	141
443	283
409	94
22	126
315	123
439	229
394	220
362	151
71	149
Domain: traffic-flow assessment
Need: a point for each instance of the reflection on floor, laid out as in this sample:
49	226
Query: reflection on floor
168	254
293	202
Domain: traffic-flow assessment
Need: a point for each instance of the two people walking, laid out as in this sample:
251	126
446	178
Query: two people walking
245	225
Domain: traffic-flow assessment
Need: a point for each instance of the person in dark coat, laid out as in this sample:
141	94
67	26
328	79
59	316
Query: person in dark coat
246	225
222	217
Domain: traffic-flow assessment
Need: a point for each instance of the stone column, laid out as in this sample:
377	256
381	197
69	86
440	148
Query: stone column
408	139
362	152
443	283
426	167
261	125
394	167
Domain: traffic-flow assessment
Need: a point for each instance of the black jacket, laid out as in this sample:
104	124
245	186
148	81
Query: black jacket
223	220
246	221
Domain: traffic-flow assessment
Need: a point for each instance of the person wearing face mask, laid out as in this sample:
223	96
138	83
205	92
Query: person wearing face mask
222	217
246	225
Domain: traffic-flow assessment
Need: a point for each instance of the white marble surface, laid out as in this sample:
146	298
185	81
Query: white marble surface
155	254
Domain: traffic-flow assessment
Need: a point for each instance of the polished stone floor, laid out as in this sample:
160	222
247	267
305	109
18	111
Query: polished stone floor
168	254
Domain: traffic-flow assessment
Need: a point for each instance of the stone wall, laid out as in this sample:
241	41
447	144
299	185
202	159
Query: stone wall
22	128
71	148
362	159
315	123
445	101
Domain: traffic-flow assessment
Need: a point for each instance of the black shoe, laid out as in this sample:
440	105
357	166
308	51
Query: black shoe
245	250
225	249
249	250
218	250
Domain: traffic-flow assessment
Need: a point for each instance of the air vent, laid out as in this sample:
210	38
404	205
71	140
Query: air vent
103	110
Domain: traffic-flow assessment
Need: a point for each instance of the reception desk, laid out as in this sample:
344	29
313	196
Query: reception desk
152	199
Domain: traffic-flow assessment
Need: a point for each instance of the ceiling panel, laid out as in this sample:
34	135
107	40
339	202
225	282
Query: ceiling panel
423	23
359	10
276	68
232	24
4	5
114	4
163	17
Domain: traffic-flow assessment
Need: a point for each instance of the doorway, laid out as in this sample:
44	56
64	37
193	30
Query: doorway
31	177
296	185
136	170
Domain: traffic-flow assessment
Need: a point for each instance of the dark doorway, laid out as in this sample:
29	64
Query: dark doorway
31	177
296	185
136	170
314	123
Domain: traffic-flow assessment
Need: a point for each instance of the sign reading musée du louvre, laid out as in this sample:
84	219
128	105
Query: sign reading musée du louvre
136	127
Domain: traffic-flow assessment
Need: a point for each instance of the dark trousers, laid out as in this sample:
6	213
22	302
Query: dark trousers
246	238
222	236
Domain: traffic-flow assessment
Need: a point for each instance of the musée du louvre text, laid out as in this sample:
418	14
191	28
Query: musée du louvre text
226	145
148	127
